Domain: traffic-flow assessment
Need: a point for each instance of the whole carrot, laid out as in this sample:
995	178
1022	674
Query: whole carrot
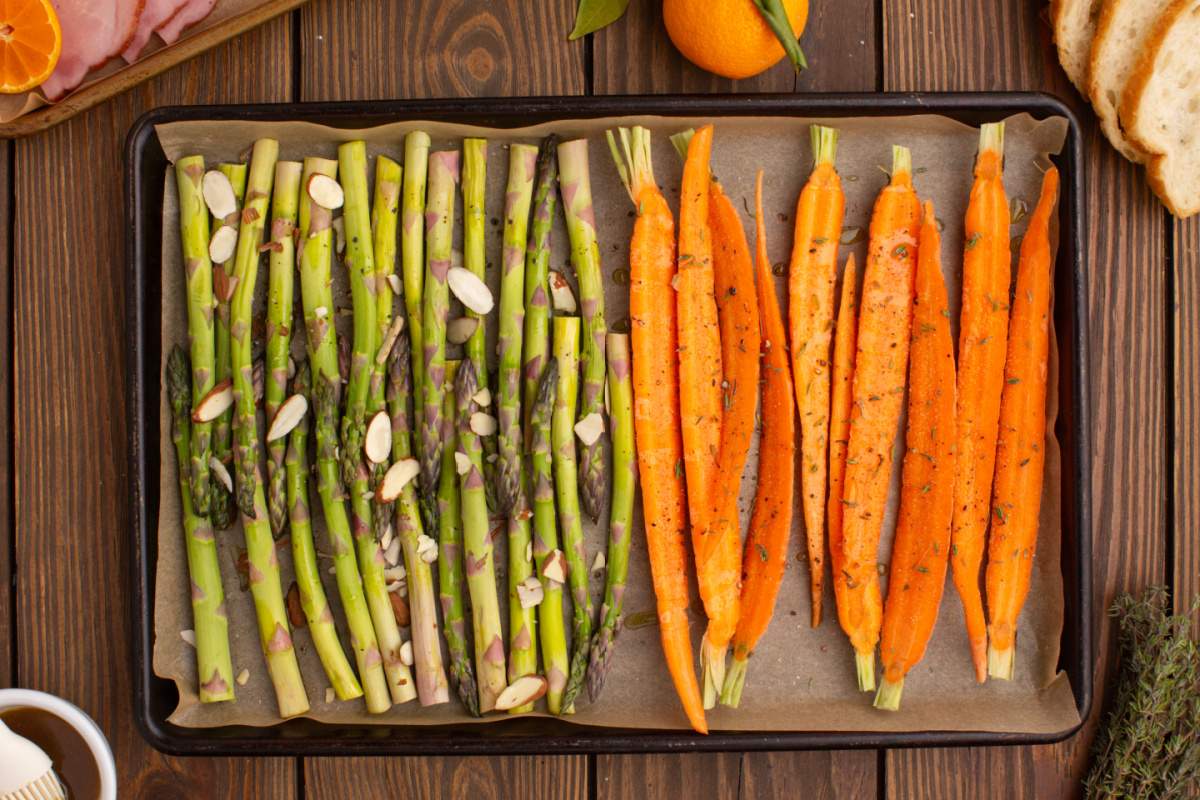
840	403
920	549
879	373
771	521
983	330
811	278
1020	451
719	556
700	374
656	418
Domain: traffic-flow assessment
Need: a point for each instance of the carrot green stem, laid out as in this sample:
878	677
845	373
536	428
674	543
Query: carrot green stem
888	696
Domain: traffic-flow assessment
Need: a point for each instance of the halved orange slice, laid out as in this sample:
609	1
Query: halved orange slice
30	43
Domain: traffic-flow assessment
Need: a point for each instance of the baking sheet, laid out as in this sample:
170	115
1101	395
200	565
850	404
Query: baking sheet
800	679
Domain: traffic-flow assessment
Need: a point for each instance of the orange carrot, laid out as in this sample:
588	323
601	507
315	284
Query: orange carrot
920	550
840	403
700	376
879	373
811	278
1020	451
983	329
771	521
656	413
719	556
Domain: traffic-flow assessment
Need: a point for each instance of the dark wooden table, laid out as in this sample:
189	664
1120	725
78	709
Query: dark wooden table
64	527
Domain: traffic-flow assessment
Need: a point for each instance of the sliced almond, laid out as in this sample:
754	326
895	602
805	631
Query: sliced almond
529	551
392	554
189	636
406	653
320	312
483	423
330	695
389	340
483	397
589	428
215	403
530	592
561	295
394	281
222	244
243	677
521	692
400	609
289	415
599	561
470	290
462	464
396	573
460	329
339	235
397	477
554	568
218	468
218	194
325	191
427	549
378	445
386	539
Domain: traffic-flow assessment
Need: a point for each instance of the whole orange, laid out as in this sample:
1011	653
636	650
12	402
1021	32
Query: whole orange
728	37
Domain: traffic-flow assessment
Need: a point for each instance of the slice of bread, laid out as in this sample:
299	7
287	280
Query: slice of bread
1160	109
1074	23
1121	32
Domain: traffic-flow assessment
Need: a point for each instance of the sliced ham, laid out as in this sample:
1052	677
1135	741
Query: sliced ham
93	31
155	14
193	11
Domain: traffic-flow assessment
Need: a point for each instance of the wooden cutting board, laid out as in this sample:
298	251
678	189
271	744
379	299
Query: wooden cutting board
193	42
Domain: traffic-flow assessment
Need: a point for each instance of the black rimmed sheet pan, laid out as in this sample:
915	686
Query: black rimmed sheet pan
155	697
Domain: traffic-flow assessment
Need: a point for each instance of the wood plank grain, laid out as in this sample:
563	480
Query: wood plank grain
634	55
437	48
978	44
1186	530
6	425
480	778
72	535
826	775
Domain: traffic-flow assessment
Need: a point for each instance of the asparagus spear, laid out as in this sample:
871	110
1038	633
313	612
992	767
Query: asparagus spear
214	667
384	212
412	255
536	340
566	353
316	256
585	257
427	648
304	553
282	262
477	547
450	563
222	509
551	625
193	236
511	488
620	394
260	544
435	304
360	264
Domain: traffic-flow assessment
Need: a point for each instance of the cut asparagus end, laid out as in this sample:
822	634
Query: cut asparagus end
1000	661
824	143
865	664
712	663
731	692
888	696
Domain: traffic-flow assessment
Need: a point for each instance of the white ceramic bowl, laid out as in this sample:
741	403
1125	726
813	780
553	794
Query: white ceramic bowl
81	722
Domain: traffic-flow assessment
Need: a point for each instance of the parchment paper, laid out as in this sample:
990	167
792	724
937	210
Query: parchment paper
800	679
13	106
